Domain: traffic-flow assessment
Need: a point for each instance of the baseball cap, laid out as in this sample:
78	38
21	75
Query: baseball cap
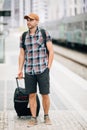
32	16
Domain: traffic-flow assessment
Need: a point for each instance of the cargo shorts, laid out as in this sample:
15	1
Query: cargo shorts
43	81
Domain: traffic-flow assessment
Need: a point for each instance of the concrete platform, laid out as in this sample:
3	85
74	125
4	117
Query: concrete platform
61	120
72	54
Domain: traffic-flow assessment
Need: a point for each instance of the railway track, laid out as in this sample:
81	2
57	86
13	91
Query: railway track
75	61
78	62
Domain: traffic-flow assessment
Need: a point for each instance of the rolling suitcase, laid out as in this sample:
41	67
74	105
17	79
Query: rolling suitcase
21	102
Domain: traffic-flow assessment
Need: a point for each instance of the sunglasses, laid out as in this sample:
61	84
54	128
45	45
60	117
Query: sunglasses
29	20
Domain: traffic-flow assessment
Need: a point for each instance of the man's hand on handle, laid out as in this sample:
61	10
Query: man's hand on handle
20	74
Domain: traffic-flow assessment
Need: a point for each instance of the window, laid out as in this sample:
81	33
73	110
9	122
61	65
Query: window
84	1
75	11
75	1
85	25
83	9
74	25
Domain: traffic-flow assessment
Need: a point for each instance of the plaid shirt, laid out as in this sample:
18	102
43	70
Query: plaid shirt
36	57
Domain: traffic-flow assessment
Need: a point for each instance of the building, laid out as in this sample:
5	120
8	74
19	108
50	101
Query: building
56	9
47	10
6	5
41	8
1	4
75	7
65	8
18	9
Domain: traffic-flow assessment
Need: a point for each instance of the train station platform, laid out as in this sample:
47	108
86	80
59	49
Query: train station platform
71	54
68	95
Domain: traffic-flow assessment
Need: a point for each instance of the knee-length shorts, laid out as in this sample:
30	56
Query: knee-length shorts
43	81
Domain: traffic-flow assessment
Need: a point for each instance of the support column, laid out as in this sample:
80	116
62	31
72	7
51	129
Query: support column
27	7
12	14
21	13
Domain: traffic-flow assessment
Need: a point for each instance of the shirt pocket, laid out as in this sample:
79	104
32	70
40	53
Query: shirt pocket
40	42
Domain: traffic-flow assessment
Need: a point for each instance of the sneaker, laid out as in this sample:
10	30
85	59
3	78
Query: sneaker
47	120
32	121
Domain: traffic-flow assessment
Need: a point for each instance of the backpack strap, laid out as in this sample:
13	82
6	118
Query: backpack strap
44	37
23	39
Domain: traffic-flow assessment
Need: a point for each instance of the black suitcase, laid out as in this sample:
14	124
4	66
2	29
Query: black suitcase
21	102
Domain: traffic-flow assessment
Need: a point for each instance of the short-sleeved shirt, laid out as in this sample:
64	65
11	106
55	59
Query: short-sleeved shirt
36	57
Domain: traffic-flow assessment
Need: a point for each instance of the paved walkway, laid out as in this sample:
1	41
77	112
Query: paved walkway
3	120
61	120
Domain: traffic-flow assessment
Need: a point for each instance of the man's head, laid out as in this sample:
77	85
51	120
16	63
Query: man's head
32	16
32	20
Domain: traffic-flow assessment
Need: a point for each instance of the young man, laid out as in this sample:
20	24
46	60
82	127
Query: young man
37	63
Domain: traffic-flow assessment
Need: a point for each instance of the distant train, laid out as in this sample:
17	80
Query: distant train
69	30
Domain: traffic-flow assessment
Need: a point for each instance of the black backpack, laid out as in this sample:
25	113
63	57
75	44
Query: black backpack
43	35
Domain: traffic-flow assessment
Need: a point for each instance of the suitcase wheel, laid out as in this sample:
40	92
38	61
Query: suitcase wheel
19	116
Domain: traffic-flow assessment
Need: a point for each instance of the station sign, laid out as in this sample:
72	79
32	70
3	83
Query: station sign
5	13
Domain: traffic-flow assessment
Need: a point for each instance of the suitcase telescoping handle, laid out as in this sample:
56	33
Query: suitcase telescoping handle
17	81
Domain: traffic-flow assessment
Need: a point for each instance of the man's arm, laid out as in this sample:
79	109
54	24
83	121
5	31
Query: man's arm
51	53
21	62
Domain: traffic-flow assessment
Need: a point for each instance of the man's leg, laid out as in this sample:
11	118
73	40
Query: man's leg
31	88
44	88
46	106
33	107
33	104
46	103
